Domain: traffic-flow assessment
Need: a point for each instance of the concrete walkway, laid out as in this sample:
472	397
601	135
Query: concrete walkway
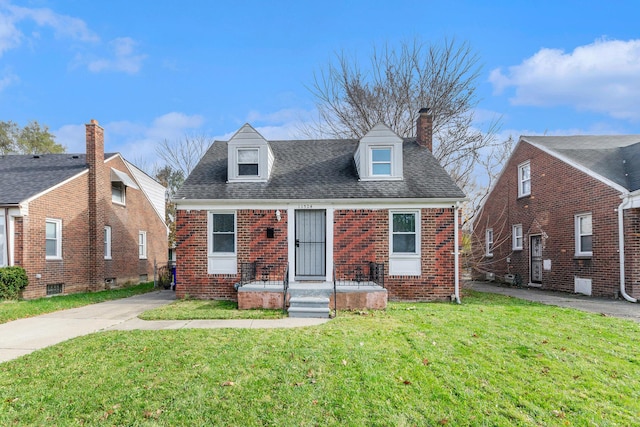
24	336
607	307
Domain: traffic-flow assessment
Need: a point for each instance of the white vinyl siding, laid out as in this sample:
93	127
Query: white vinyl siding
3	240
142	245
517	237
524	179
584	234
53	238
488	240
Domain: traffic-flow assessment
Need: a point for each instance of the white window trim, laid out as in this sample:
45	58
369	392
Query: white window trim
122	202
142	254
403	263
516	236
390	162
488	242
521	167
222	262
578	252
107	242
4	227
238	162
58	224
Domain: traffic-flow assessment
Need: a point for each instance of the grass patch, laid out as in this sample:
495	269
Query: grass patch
12	310
493	360
189	309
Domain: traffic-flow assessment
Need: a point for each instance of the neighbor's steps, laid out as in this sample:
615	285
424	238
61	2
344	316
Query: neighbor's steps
309	306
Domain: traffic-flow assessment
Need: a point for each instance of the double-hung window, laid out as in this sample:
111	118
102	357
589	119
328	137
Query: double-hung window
488	241
118	192
223	236
381	161
53	238
404	235
107	242
524	179
248	159
584	235
142	244
517	237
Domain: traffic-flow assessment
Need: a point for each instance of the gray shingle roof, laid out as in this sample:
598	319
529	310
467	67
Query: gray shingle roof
24	176
319	169
615	157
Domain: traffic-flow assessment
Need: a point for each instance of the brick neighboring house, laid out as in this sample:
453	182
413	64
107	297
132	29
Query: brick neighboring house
564	215
80	222
378	214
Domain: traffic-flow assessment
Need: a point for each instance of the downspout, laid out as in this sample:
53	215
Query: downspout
6	235
456	253
623	205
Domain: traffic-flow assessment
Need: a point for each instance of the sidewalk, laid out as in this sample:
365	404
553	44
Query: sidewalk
24	336
607	307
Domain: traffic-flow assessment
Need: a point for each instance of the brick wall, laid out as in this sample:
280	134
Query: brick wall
360	236
558	193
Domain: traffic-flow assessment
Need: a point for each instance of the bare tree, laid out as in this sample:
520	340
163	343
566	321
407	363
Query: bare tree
394	87
184	154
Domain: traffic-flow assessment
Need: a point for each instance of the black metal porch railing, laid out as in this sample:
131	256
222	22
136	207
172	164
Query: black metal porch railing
285	289
364	274
260	273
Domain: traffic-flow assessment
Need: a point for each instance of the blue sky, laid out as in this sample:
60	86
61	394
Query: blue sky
153	70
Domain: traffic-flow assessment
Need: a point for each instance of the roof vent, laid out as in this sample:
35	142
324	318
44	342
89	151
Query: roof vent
36	157
75	157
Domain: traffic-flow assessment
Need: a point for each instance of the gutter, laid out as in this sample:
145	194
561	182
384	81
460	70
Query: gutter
626	204
456	253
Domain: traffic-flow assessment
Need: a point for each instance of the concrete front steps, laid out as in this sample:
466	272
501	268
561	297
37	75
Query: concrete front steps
309	303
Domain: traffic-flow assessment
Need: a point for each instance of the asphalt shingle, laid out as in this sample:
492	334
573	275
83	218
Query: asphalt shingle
319	169
24	176
615	157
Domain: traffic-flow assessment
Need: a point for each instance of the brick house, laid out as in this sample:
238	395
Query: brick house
263	222
565	215
80	222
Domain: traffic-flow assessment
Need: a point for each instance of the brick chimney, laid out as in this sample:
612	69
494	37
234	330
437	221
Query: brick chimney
424	129
98	192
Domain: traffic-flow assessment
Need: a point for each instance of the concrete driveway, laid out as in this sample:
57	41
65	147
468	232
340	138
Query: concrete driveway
24	336
607	307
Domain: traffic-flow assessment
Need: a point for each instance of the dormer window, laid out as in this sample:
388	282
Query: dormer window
248	159
381	161
379	155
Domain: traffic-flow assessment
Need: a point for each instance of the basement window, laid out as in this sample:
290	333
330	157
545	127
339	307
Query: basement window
55	289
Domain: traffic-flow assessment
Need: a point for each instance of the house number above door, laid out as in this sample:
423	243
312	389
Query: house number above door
305	206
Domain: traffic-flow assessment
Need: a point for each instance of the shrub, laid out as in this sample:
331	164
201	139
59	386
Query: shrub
12	281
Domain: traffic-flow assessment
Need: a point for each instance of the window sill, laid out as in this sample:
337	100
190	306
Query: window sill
118	203
516	249
53	258
488	255
524	196
579	257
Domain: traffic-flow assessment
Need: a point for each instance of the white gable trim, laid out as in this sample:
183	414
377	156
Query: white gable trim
578	166
134	171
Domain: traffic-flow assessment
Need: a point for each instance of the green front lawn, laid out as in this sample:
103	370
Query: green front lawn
189	309
12	310
493	361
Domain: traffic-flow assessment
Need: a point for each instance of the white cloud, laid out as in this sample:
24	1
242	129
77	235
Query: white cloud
7	80
123	57
600	77
10	36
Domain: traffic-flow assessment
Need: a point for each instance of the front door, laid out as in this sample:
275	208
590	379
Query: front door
311	244
536	259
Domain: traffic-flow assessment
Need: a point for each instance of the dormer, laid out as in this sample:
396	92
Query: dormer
379	155
249	155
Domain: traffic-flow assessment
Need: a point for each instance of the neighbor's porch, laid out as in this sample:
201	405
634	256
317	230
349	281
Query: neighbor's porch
354	286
